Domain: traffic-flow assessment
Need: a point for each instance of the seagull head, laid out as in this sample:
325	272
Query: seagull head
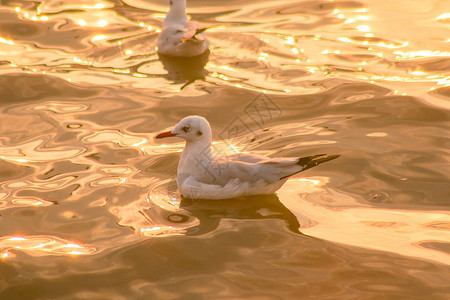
191	129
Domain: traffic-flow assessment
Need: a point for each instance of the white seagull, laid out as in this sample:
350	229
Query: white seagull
180	36
200	175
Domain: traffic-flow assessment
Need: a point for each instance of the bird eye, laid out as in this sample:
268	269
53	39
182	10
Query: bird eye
186	129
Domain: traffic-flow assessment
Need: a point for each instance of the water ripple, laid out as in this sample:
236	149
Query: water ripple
86	191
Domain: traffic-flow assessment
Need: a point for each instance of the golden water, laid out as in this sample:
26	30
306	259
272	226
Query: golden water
89	207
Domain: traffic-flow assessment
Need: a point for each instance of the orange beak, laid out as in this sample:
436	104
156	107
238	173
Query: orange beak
165	135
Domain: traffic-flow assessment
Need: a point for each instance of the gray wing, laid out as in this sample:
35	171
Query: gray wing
252	168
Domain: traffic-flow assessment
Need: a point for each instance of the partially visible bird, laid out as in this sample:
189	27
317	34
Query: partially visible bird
180	36
200	175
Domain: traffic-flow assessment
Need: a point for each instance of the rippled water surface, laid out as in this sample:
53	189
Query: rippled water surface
89	207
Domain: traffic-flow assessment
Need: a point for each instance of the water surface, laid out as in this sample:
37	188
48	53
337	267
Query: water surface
89	207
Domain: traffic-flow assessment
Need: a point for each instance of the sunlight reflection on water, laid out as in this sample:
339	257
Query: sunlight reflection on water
42	245
394	230
84	187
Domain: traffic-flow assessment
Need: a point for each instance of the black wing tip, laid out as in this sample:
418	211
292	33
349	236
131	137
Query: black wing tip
203	29
314	160
333	156
308	162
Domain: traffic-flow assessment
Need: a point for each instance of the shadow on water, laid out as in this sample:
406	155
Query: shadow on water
185	69
261	207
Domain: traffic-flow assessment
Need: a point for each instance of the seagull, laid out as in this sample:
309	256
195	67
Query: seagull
180	36
200	175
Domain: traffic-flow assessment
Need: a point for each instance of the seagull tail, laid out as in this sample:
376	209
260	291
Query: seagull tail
200	30
309	162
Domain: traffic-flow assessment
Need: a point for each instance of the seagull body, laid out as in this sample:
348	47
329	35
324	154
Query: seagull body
180	36
200	175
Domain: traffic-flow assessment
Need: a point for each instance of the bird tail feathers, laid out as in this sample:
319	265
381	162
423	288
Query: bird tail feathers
309	162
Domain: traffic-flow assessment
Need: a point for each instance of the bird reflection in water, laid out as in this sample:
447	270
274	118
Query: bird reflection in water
260	207
185	69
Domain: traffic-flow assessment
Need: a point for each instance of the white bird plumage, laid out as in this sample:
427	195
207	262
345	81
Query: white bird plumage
180	36
200	175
